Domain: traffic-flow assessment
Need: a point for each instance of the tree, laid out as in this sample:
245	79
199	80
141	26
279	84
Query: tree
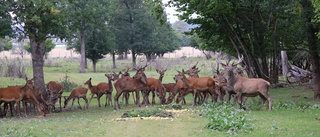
49	45
138	30
38	20
308	13
5	44
5	20
82	14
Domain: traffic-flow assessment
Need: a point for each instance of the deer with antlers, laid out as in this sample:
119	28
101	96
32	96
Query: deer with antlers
246	87
127	84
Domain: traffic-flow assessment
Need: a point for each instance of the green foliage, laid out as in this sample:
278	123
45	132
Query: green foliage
68	85
49	45
5	44
224	117
146	113
171	106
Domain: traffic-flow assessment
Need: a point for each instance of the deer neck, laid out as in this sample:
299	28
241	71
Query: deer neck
90	85
110	84
232	79
160	78
186	82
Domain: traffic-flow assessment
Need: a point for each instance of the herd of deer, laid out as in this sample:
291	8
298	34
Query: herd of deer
228	82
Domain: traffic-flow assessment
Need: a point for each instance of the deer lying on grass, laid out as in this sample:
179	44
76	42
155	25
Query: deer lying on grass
94	91
200	84
127	84
15	93
77	94
246	87
55	91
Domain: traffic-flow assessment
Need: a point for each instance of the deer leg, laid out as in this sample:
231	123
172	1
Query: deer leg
153	97
267	97
194	97
72	102
18	108
86	100
98	97
79	103
138	98
60	103
91	97
116	97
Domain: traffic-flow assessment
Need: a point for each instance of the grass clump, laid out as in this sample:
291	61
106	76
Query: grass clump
146	113
224	117
171	106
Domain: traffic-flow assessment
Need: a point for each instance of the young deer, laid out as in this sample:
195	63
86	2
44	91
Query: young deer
94	91
77	94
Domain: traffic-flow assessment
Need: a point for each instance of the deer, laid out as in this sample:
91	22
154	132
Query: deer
54	90
246	87
15	94
155	85
107	88
116	76
94	91
77	93
35	98
127	84
197	84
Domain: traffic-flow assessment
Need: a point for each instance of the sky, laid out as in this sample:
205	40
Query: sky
170	13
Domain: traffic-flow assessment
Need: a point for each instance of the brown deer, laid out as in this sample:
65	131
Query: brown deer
15	93
246	87
198	84
34	97
94	91
126	95
155	85
77	94
127	84
107	88
55	91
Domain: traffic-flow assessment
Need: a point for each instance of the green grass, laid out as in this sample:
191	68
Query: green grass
104	121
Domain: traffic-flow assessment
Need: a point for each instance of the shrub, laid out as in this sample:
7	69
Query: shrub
225	117
13	68
171	106
68	85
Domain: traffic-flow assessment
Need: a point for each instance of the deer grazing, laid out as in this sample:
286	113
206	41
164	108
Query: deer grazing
55	91
34	97
127	84
94	91
246	87
16	94
77	94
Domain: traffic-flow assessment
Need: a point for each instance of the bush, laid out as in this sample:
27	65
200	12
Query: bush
171	106
68	85
13	68
224	117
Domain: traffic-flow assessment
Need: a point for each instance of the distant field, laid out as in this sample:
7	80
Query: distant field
60	51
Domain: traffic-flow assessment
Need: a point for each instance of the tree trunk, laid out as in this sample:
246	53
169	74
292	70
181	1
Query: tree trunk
134	64
82	53
284	62
38	51
94	64
148	57
114	60
308	14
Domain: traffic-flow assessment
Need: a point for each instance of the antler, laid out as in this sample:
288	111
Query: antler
240	59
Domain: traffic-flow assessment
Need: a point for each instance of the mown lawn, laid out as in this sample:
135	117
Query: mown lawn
291	114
